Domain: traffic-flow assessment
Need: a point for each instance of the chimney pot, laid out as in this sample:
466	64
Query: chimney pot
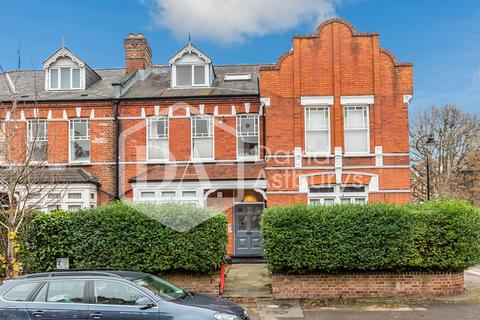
131	35
140	35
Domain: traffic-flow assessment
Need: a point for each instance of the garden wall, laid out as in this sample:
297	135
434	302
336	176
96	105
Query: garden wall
198	283
362	285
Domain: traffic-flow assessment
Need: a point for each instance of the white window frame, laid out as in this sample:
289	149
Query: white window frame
195	135
192	82
255	133
317	153
72	138
31	138
164	136
367	129
59	78
177	196
337	194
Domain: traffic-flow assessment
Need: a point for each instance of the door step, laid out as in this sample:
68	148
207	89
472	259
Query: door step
245	260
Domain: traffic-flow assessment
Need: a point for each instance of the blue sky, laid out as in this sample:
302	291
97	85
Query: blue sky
442	38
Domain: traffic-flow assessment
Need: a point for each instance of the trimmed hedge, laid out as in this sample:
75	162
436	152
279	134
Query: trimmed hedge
119	236
436	236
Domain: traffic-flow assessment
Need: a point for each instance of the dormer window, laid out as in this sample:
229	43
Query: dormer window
189	75
191	68
65	78
65	71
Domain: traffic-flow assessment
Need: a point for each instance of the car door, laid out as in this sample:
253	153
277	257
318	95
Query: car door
117	300
59	299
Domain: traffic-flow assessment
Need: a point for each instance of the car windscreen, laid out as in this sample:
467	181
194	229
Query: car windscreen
161	288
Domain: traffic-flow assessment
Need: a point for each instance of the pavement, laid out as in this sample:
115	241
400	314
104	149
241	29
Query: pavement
462	307
248	281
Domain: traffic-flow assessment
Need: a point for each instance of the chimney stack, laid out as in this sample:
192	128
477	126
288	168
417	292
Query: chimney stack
138	54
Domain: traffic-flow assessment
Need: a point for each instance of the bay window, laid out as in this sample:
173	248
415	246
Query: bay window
37	134
157	138
248	137
337	194
317	130
356	124
202	137
80	140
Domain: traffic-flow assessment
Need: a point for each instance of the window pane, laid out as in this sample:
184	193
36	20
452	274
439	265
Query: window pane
37	130
20	292
75	78
199	74
53	78
329	201
202	126
356	141
317	141
322	189
75	195
65	78
360	200
315	201
148	194
168	194
345	200
203	148
158	149
80	129
115	293
317	118
39	151
158	127
184	75
353	189
247	126
189	194
74	207
81	150
248	146
70	291
355	118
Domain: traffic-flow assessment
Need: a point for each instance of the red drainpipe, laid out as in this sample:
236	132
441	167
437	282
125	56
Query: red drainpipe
222	278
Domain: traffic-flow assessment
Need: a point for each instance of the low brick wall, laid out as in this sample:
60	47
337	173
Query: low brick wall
205	284
360	285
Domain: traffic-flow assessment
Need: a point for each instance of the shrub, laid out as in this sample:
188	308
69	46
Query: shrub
120	236
436	236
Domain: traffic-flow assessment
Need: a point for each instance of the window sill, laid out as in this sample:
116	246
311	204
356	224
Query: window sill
358	154
317	154
157	161
80	162
248	159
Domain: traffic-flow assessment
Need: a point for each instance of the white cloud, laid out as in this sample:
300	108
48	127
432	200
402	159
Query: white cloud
228	21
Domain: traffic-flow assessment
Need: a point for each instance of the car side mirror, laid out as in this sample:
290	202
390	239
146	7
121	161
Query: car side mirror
145	303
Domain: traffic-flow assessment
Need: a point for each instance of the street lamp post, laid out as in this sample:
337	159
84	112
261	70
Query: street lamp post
430	144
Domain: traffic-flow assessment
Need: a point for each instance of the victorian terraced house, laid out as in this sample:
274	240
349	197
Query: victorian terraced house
326	124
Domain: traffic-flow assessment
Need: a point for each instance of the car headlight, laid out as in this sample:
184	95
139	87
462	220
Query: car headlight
224	316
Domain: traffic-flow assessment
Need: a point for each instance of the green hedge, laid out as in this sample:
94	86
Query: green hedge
436	236
119	236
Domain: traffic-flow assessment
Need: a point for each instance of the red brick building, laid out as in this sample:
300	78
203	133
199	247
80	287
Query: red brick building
327	124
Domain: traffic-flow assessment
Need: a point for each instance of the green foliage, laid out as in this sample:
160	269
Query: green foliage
436	236
121	236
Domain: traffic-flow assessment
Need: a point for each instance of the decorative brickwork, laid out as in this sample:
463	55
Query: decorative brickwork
204	284
360	285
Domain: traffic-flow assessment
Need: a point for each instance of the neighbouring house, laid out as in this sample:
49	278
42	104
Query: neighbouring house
326	124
